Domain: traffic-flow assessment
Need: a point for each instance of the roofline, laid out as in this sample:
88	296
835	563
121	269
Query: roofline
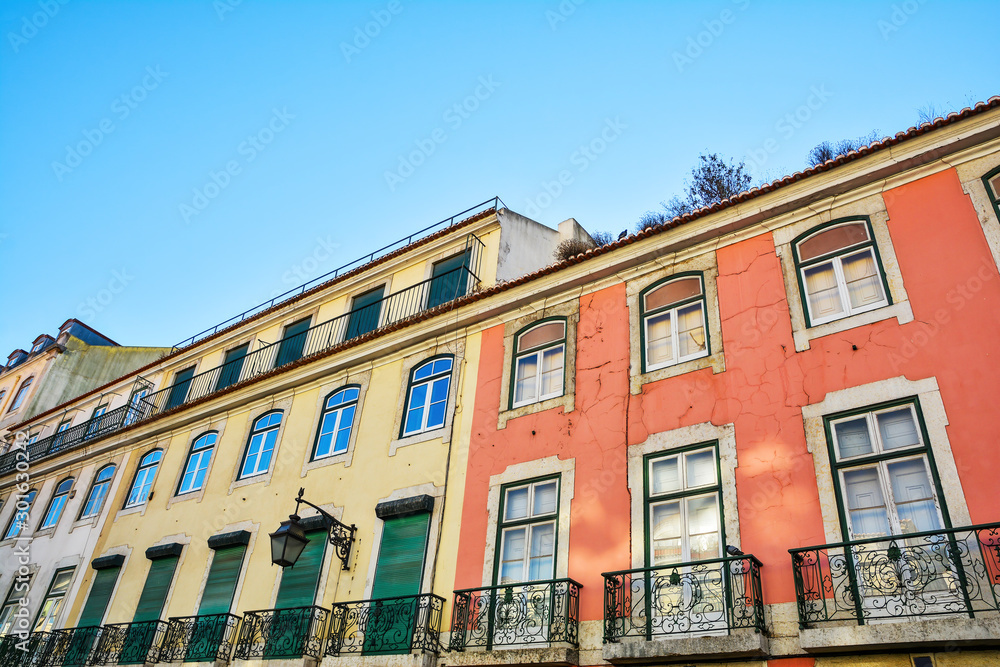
87	326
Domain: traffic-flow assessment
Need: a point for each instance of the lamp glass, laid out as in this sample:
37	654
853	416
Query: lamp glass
288	542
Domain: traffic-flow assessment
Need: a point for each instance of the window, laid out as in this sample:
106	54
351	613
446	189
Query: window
197	463
60	440
3	392
427	396
144	478
19	521
839	271
884	472
449	279
992	182
154	592
98	492
53	600
293	342
335	424
179	389
137	408
260	446
21	393
539	357
57	504
220	587
99	597
683	512
94	425
673	322
366	311
528	531
232	366
18	589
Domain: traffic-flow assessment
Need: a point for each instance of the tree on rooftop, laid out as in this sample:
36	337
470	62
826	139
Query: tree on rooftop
713	179
828	151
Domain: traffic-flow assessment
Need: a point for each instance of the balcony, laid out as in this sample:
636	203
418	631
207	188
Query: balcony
35	655
130	643
953	575
390	626
200	638
540	618
686	609
392	309
272	634
71	647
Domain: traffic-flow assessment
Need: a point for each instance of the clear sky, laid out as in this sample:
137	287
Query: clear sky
167	164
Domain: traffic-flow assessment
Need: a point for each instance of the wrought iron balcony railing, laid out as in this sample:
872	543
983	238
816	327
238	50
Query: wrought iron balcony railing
933	573
386	626
71	647
537	613
33	654
708	596
200	638
130	643
389	310
282	633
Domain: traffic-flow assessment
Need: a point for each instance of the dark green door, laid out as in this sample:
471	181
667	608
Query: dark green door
293	341
210	627
366	310
398	573
449	280
87	629
142	631
232	366
292	624
178	392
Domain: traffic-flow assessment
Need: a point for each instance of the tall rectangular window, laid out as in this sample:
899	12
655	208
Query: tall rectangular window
366	312
99	597
529	521
449	279
52	604
18	589
221	584
232	366
293	342
179	390
673	322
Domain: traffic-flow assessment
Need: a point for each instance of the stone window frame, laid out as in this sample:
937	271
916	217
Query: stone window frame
113	483
219	428
8	521
872	208
141	507
517	356
707	266
247	526
680	439
456	351
285	406
935	422
362	380
551	466
568	310
974	176
70	495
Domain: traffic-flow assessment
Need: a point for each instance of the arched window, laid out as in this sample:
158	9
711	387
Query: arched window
144	475
840	271
673	322
57	504
98	492
260	445
539	360
199	458
19	521
335	424
427	396
21	393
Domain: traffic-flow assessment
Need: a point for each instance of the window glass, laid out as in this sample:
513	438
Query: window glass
144	479
539	363
336	422
19	521
260	447
673	321
21	393
527	548
832	240
53	601
57	504
427	404
197	464
99	490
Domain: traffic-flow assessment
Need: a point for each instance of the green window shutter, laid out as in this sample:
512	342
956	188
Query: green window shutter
401	556
221	584
366	309
447	283
293	341
100	596
154	593
299	582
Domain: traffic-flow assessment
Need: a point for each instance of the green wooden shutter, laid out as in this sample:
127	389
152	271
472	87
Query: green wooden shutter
154	593
293	341
366	309
100	596
401	556
179	390
232	366
299	582
221	584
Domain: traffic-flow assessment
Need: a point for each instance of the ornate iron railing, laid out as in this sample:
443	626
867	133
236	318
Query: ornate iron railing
490	204
36	650
282	633
930	573
391	309
200	638
386	626
707	596
71	647
536	613
130	643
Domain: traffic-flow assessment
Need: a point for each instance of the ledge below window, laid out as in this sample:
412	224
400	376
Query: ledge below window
951	632
901	311
547	657
741	643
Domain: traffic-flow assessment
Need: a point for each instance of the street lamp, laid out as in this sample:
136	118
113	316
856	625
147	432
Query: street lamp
290	539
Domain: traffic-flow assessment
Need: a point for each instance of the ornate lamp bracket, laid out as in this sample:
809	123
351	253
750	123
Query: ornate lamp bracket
340	535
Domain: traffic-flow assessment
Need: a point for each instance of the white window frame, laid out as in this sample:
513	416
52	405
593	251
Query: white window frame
197	461
338	425
538	354
262	434
56	506
672	309
682	495
529	523
430	382
144	478
104	494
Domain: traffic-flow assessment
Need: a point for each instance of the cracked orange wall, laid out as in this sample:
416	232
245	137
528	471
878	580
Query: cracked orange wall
940	248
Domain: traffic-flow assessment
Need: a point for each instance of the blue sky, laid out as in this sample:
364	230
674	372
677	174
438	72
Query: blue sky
167	164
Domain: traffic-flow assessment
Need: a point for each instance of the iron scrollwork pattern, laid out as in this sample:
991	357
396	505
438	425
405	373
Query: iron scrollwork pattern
931	573
37	645
716	595
200	638
537	613
282	633
386	626
71	647
130	643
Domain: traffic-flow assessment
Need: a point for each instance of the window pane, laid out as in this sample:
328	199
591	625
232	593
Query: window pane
864	286
326	434
911	489
700	468
265	453
439	402
542	547
853	438
415	414
552	371
545	499
703	527
665	475
516	504
527	370
665	533
691	330
866	504
541	335
672	292
898	429
659	344
344	432
995	185
512	556
831	240
821	289
55	511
